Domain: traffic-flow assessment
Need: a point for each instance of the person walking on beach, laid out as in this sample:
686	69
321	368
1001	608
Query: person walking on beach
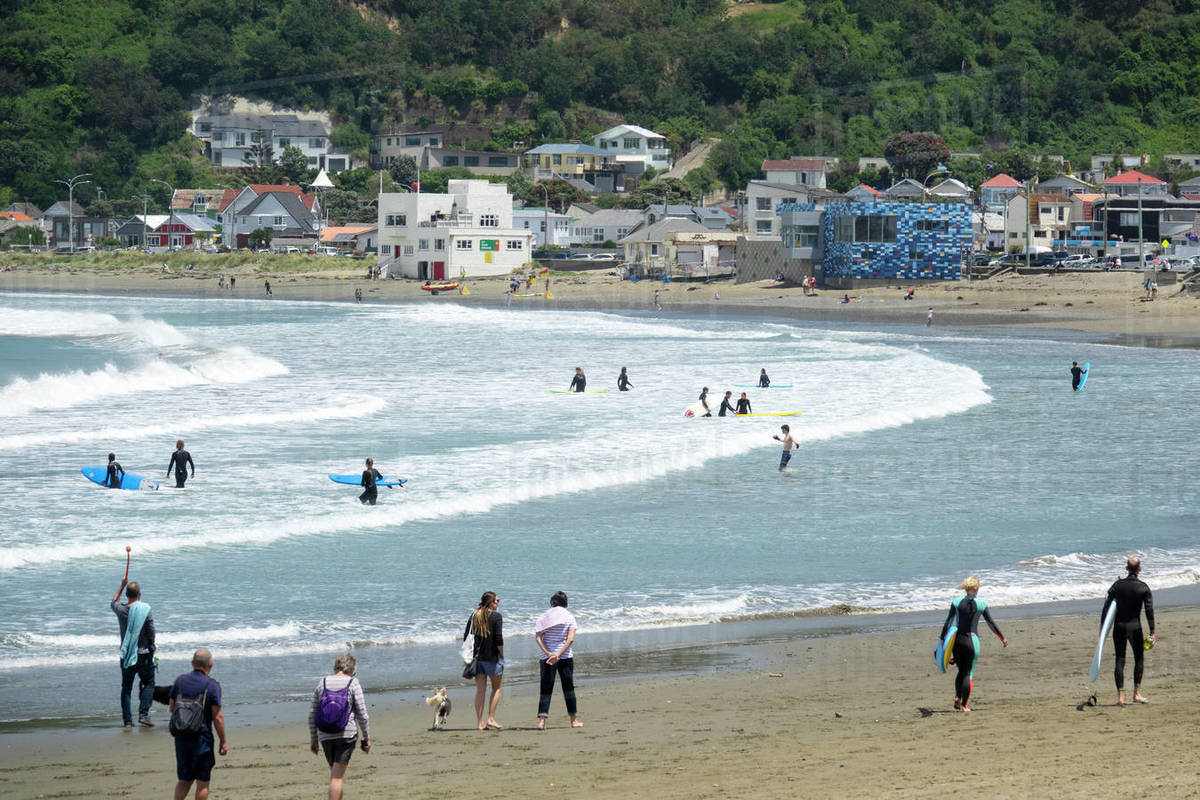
231	282
180	460
726	405
929	319
788	444
704	402
337	714
1131	595
657	304
136	624
194	756
965	613
763	381
555	633
370	490
623	383
1076	375
579	382
743	405
487	626
267	286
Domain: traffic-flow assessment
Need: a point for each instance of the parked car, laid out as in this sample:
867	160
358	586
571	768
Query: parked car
603	257
1076	260
326	251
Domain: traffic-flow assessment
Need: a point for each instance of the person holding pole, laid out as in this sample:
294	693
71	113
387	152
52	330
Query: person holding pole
137	648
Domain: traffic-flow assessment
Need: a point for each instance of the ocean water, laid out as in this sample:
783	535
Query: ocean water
926	455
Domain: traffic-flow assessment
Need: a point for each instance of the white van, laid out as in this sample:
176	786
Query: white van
326	251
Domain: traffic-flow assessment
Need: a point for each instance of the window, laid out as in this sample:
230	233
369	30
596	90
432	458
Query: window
598	235
1039	234
789	200
489	221
514	244
240	139
449	161
497	161
762	203
653	249
312	161
439	244
470	161
318	142
278	222
939	225
385	249
807	235
556	159
396	220
603	144
285	143
434	141
422	244
622	233
408	249
389	141
802	177
412	141
916	255
526	224
632	143
204	127
464	244
1129	219
218	137
873	228
762	226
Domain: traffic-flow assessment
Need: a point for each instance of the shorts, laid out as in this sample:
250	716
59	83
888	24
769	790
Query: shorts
194	758
490	667
338	751
785	458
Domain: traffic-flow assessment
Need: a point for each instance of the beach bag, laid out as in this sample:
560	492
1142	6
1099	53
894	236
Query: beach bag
333	710
187	718
467	651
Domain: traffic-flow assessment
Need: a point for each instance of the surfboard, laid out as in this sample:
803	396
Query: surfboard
129	481
696	409
945	649
1087	368
585	391
1105	630
773	414
756	386
356	480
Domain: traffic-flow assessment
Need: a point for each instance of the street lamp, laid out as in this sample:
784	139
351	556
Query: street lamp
145	198
170	204
942	169
71	183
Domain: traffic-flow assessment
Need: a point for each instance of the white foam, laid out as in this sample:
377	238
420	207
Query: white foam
60	324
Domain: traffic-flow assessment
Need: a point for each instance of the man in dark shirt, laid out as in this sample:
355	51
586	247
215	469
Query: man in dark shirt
194	757
116	473
726	405
1131	595
1076	375
579	382
180	460
623	383
143	667
370	490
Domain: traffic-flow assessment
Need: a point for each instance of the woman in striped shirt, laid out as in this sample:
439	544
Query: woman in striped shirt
555	632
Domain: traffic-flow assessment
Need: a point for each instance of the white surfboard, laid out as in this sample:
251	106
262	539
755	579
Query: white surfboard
1105	630
696	409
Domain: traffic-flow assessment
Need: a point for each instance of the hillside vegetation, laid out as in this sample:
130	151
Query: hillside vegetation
104	87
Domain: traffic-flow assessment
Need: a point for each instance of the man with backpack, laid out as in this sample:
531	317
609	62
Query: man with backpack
195	711
338	713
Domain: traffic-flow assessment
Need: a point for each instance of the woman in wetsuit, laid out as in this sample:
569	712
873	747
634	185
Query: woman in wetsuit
369	477
964	614
743	405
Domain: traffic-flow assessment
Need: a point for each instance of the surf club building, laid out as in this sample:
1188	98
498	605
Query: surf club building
864	243
467	231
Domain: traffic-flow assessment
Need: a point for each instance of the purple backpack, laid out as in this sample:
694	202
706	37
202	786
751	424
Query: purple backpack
333	711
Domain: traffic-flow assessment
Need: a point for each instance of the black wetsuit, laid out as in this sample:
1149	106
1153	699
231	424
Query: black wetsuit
1076	377
115	475
743	406
704	402
578	383
725	406
623	383
1131	595
179	460
763	380
370	490
965	613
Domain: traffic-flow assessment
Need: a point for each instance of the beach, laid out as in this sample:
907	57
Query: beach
864	715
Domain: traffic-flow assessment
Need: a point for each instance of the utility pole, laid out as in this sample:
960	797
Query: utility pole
545	216
1028	220
145	198
71	183
1141	239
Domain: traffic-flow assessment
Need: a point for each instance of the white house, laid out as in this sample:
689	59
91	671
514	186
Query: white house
1065	184
953	189
865	194
653	246
1132	182
229	137
591	226
1050	220
762	198
809	172
637	148
534	219
906	189
298	217
465	232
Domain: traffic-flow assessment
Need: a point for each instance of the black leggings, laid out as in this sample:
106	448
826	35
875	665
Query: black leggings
180	479
565	668
369	495
964	658
1130	632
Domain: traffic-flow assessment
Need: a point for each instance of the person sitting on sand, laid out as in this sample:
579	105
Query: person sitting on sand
965	613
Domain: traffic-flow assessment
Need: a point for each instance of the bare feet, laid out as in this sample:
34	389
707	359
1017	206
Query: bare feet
1138	697
493	725
576	723
1120	698
482	726
541	723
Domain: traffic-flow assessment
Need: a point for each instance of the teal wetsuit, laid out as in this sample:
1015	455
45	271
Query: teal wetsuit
964	614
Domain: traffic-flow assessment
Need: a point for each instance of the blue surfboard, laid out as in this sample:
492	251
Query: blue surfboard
1087	368
128	481
356	480
945	648
756	386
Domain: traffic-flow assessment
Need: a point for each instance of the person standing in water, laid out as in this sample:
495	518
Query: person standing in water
726	405
370	490
623	383
704	402
788	444
965	613
579	382
743	405
180	460
1131	595
116	472
929	319
763	381
1076	375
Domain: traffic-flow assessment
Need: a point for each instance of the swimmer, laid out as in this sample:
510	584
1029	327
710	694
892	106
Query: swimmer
788	443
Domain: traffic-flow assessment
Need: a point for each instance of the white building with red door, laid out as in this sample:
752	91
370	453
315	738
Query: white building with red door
465	232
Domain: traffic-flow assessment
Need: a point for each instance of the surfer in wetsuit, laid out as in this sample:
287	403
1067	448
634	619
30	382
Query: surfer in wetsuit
704	402
1076	375
1131	595
623	383
180	460
763	381
965	613
116	473
743	404
726	405
370	490
579	382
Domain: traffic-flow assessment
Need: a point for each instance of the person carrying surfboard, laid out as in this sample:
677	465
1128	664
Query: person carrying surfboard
704	402
962	623
579	382
116	473
370	490
763	381
1076	375
1131	595
743	404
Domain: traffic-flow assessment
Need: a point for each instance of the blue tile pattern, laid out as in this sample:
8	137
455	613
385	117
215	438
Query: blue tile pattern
915	255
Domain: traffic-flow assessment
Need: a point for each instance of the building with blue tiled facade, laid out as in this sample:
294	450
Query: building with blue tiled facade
893	241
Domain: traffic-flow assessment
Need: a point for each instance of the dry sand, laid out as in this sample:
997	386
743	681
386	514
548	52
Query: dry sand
862	715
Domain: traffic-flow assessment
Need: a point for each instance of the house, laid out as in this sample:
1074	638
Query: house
1132	183
634	147
162	232
1190	186
65	217
989	230
808	172
953	189
873	162
598	169
865	194
16	229
359	238
865	242
996	191
762	198
29	209
406	140
301	215
466	231
1161	217
651	248
197	201
1049	217
1065	184
1177	160
713	218
481	162
591	226
535	219
707	253
906	189
1082	206
1106	162
800	233
229	137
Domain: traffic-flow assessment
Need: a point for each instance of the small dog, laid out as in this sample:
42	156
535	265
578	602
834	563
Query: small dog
440	702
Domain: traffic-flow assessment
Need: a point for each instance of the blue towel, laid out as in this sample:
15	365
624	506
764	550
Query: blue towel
133	630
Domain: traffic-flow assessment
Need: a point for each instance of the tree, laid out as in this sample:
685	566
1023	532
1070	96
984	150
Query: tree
27	235
550	126
737	159
913	155
259	238
404	171
345	206
519	183
294	164
701	179
561	195
260	153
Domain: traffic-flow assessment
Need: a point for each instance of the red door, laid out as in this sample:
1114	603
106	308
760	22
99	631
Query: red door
439	270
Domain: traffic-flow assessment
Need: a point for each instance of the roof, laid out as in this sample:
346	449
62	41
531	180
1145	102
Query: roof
587	208
262	188
905	186
63	208
634	129
184	199
1001	181
951	186
291	204
227	197
16	216
659	230
332	232
1065	179
614	216
673	209
805	164
1190	182
277	124
563	148
26	208
1132	176
870	189
1088	197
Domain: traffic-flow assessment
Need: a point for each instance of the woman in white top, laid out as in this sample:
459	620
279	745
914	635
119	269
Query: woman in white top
555	632
339	745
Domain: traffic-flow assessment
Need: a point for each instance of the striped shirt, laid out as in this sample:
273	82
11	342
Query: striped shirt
358	710
554	626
